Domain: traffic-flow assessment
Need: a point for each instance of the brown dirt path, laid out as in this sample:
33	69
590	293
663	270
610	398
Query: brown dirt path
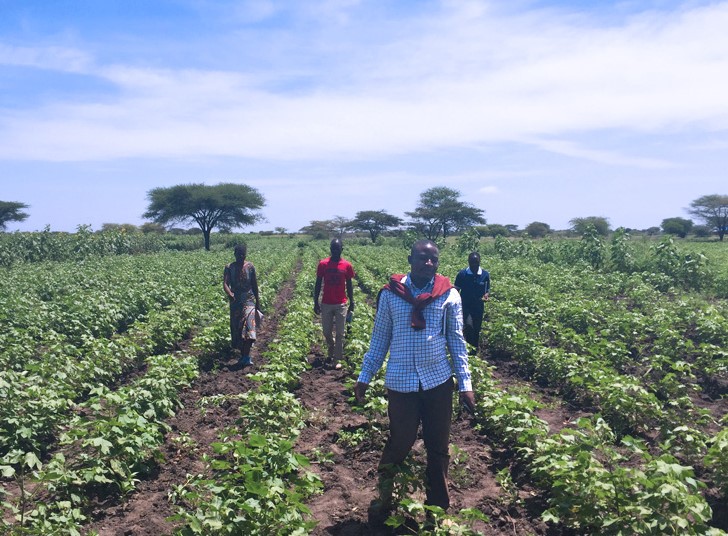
144	513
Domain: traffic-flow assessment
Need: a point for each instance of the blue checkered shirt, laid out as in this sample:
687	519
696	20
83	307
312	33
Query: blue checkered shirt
418	358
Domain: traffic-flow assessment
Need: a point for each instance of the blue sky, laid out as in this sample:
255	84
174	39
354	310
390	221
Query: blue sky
533	110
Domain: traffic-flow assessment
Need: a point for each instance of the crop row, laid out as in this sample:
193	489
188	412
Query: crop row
112	436
595	482
184	291
111	441
594	486
255	482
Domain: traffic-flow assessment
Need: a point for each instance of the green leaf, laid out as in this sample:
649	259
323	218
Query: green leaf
7	471
31	460
550	517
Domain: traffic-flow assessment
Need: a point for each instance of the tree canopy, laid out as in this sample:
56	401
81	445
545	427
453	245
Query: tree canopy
713	210
676	226
125	227
537	229
580	225
320	229
224	206
375	222
441	211
340	224
11	211
494	229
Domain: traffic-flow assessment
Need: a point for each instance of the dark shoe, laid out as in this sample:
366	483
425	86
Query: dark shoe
379	511
429	524
245	361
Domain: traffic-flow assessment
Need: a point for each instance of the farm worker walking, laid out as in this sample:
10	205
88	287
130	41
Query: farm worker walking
419	316
335	273
474	285
241	285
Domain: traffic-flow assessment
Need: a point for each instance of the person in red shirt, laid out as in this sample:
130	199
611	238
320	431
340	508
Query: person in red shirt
335	274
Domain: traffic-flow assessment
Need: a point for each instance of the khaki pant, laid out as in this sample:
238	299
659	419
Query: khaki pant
333	322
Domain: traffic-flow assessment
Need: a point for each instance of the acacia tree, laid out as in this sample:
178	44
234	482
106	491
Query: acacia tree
125	227
11	211
713	210
495	229
441	211
375	222
152	228
537	229
676	226
580	225
341	224
225	205
319	229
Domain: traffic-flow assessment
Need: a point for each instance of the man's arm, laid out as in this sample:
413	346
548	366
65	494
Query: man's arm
458	282
456	343
467	399
316	293
459	353
350	293
378	346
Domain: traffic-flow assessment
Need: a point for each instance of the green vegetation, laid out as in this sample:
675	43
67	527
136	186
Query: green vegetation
631	333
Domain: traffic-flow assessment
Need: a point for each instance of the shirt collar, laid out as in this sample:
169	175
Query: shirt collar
469	271
429	287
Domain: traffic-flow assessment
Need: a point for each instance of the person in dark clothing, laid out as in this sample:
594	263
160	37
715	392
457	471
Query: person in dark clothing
474	285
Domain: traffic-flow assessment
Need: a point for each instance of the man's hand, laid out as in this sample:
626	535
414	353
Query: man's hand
467	399
317	308
359	391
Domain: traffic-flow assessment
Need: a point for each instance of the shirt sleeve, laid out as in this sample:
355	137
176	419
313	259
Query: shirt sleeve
380	341
487	282
456	343
350	271
320	269
459	281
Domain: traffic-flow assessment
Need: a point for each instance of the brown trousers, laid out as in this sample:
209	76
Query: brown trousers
406	410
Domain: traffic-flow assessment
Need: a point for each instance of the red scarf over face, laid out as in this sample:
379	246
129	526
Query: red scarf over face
395	285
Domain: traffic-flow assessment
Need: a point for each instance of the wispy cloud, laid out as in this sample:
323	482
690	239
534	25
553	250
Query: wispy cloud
463	75
54	58
568	148
489	190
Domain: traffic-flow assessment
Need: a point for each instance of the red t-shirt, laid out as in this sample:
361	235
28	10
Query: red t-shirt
334	275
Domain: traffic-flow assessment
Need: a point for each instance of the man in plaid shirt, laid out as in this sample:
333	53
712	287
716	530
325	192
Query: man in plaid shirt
419	318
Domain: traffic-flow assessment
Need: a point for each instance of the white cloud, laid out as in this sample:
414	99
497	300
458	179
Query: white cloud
604	157
56	58
489	190
464	76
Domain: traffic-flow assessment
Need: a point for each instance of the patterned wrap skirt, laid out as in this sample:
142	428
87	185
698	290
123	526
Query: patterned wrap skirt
242	323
